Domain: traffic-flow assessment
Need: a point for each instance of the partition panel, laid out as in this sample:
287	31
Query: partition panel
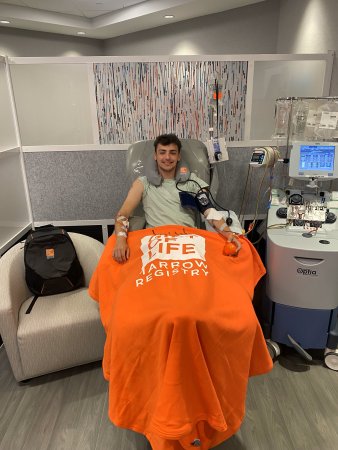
53	103
8	137
15	212
273	79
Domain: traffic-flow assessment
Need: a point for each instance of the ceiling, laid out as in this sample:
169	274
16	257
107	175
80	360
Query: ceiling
102	19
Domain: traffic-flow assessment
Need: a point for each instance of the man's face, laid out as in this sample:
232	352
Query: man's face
167	157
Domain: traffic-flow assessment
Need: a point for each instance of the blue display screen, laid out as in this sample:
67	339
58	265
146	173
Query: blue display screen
316	158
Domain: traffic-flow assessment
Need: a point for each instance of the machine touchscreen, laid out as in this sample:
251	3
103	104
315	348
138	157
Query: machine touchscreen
313	160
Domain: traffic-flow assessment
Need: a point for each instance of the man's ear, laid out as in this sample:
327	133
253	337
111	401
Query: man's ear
155	156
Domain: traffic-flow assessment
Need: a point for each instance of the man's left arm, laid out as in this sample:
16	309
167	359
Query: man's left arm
216	220
214	217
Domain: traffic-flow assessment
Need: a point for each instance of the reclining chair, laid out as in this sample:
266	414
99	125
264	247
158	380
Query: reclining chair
62	330
194	154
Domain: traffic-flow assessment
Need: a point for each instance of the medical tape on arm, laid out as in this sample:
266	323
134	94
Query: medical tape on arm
213	214
124	225
229	234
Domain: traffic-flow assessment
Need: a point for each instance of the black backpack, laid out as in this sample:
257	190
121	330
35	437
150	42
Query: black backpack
51	262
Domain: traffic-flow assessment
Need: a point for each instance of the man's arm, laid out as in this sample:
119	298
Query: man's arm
214	217
121	249
217	221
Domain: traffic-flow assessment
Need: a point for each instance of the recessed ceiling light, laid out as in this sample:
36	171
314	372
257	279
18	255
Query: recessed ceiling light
4	21
169	16
81	33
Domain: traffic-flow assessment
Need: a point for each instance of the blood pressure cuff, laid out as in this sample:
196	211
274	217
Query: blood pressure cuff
202	201
187	200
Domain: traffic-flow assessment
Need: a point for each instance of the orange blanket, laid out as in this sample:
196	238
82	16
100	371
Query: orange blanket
182	335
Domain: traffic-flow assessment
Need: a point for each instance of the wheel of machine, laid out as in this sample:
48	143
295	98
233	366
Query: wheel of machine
331	360
273	349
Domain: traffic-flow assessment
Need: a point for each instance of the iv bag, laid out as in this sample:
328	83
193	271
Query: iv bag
282	114
299	119
312	120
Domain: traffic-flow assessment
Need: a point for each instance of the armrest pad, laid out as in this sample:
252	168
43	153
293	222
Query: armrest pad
89	251
14	290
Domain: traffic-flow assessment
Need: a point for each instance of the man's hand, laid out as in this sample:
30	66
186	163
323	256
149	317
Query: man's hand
121	250
227	233
231	237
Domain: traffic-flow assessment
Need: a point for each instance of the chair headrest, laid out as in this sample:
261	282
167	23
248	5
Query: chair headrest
151	172
140	161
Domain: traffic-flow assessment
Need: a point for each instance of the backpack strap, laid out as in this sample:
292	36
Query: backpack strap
30	307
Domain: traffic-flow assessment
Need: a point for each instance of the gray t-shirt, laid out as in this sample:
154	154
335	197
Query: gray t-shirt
162	204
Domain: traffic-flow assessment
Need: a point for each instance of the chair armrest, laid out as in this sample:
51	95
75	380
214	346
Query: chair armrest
136	223
89	251
13	292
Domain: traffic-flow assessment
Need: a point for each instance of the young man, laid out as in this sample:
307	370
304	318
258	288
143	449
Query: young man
162	203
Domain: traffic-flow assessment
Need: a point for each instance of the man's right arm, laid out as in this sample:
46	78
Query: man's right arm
121	249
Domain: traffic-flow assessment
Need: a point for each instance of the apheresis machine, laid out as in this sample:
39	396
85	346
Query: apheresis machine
302	232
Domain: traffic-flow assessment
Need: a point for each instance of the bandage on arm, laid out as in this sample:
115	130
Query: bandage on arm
121	226
213	214
214	217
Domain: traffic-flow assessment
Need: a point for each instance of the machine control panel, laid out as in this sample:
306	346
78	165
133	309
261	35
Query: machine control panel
306	210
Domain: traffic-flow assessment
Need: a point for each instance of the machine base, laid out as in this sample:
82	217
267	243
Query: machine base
308	327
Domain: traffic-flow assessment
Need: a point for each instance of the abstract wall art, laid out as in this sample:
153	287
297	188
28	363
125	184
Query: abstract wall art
140	100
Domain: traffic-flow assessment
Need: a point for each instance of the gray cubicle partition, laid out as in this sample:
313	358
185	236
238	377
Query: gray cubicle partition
91	185
71	186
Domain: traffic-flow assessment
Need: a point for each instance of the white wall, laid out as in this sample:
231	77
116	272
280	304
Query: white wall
250	29
309	26
273	26
15	42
